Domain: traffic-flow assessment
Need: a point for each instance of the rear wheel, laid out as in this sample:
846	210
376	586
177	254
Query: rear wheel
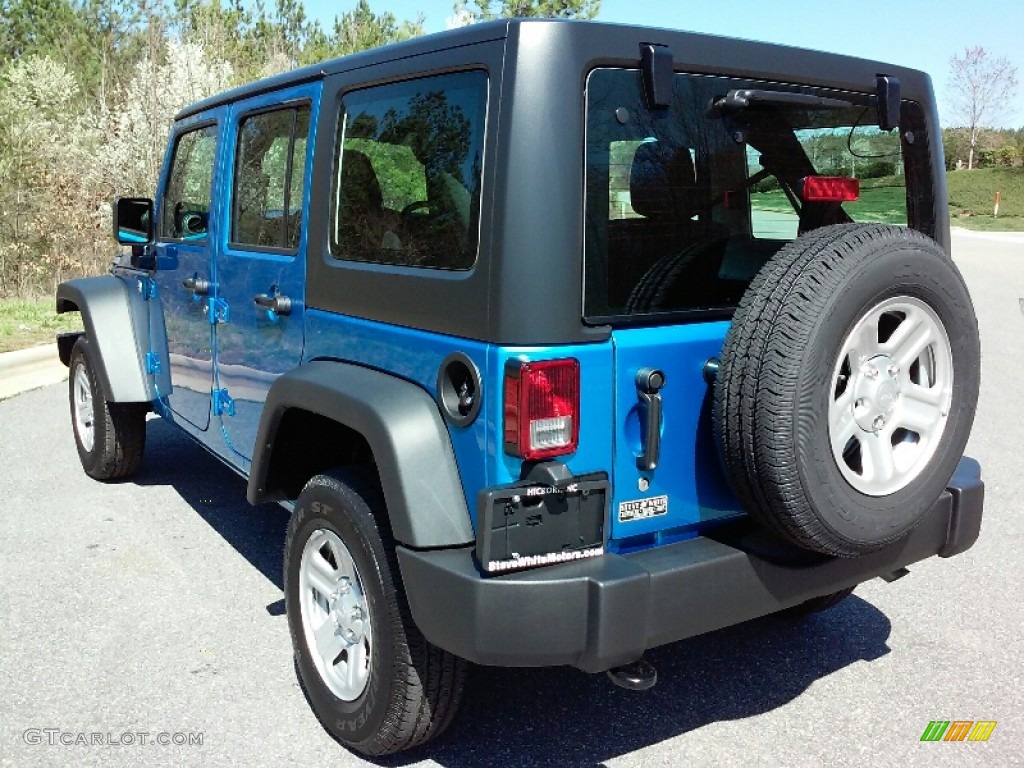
372	679
110	437
847	386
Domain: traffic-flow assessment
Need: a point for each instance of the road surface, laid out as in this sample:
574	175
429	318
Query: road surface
155	607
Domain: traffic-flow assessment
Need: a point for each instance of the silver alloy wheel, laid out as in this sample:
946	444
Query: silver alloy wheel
892	387
335	614
85	413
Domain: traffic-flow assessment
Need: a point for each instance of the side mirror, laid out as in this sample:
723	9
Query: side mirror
133	220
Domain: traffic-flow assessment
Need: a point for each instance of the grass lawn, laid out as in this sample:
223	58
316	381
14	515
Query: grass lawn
30	323
882	204
988	224
971	195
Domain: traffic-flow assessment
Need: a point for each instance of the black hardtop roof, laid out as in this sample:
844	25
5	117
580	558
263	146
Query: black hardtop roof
500	29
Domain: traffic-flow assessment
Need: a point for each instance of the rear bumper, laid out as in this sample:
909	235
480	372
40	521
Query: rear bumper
599	613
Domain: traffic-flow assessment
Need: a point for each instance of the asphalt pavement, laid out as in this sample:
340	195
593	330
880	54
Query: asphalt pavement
152	611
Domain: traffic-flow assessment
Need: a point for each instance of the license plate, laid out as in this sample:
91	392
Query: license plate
524	526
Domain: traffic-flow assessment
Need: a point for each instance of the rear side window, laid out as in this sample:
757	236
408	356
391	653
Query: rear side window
684	205
270	166
407	172
186	203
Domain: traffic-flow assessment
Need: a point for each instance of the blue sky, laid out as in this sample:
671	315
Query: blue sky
923	34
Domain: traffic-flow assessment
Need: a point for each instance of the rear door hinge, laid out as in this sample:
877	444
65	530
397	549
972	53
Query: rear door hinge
219	312
223	404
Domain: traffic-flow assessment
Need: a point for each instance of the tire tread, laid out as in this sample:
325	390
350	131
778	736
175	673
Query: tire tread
119	429
428	681
756	382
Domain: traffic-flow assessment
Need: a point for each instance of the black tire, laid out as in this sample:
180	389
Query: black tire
677	279
119	429
414	688
818	604
773	390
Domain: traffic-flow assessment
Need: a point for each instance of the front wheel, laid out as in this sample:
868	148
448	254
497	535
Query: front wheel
372	679
110	437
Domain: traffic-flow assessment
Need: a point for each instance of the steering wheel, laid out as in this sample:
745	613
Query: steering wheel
413	207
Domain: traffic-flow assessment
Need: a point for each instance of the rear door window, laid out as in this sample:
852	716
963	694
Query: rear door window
269	168
685	204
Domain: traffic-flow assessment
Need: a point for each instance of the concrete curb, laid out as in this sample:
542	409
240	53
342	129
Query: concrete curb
13	360
996	235
30	368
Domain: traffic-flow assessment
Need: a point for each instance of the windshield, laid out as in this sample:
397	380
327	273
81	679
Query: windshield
685	204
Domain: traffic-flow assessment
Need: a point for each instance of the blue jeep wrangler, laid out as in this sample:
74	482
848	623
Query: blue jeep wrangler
560	341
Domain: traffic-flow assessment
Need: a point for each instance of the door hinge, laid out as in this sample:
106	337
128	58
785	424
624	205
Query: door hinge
219	312
223	404
147	288
152	362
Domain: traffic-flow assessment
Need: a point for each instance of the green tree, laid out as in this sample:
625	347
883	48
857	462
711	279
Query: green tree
955	146
487	10
1007	155
107	41
44	145
361	29
224	30
36	28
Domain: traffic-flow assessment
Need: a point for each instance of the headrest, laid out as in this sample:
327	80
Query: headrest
359	186
663	183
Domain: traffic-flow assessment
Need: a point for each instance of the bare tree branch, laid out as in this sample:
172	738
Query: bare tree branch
981	88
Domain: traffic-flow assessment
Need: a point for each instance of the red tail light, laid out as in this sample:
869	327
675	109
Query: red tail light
830	189
542	408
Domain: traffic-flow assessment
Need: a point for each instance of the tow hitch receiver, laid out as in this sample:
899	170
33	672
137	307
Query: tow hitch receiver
638	676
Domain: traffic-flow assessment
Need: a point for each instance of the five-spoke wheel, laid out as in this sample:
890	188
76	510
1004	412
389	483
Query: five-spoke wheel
110	436
335	616
847	386
373	680
892	388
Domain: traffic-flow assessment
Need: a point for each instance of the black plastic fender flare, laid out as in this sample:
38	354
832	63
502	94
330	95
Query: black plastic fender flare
403	426
118	333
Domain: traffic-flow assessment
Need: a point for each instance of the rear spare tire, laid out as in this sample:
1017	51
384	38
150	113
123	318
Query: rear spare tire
847	386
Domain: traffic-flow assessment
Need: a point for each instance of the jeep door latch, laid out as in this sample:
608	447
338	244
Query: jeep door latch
274	302
649	382
197	285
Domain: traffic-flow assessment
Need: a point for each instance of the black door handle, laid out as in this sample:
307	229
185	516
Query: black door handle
649	382
281	305
197	285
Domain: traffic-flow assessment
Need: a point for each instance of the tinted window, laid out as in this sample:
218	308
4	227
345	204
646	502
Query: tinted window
407	172
269	171
685	205
186	204
852	150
